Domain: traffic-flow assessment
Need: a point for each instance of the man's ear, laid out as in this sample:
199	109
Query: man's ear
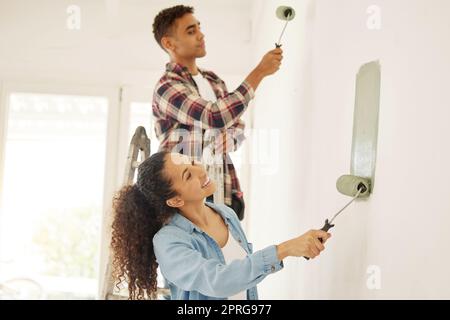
168	43
175	202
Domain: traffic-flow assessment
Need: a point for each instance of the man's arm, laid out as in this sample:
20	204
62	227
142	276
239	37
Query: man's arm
254	78
269	64
175	100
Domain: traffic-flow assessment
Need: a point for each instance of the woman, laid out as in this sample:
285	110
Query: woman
199	246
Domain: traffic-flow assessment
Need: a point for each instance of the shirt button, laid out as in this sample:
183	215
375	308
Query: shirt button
240	241
273	268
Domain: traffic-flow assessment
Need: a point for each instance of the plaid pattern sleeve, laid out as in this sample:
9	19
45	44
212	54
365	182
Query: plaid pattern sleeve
176	101
232	137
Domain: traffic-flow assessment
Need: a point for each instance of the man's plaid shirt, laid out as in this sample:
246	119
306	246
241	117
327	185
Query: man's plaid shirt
186	123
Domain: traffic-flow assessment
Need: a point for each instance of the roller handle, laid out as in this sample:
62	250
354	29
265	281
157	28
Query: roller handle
327	226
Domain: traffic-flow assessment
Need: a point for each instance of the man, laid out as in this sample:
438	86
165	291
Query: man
191	106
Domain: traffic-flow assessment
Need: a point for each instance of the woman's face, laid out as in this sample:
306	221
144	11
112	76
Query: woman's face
189	179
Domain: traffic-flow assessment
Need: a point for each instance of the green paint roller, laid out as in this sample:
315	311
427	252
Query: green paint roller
352	186
286	14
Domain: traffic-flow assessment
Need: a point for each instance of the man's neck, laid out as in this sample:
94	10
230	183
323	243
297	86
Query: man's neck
190	64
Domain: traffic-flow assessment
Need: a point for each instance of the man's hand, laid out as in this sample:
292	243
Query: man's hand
269	64
271	61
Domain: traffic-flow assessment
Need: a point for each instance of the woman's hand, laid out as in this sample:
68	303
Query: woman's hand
306	245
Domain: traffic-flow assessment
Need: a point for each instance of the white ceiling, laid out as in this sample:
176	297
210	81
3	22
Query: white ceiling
115	39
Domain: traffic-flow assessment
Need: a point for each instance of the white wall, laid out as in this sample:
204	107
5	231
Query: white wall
403	227
115	43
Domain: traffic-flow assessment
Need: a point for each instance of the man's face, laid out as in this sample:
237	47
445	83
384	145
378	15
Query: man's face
186	40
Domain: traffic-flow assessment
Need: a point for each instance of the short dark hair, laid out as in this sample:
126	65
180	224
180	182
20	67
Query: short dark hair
164	21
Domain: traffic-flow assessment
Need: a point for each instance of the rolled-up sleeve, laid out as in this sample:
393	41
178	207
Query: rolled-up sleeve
175	100
186	268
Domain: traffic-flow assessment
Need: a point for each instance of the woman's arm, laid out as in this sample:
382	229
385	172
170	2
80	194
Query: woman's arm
189	270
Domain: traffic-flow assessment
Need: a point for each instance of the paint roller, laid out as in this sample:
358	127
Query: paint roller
349	185
353	186
286	14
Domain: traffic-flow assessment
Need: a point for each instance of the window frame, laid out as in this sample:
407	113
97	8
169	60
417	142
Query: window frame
111	93
128	95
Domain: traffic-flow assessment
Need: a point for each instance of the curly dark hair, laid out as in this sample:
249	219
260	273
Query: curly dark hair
139	212
165	20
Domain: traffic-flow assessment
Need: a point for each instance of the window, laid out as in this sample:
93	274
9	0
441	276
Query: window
53	182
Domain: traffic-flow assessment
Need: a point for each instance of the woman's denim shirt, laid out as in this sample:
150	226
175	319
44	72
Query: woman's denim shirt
194	267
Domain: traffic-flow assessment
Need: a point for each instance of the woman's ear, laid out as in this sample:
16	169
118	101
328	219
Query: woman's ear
175	202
